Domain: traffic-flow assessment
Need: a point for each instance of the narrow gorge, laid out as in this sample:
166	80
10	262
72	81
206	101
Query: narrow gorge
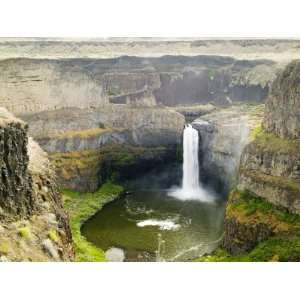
93	152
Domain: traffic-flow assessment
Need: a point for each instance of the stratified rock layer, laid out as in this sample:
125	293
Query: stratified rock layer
270	165
270	169
282	115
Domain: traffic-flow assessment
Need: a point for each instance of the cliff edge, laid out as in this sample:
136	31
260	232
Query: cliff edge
262	220
33	224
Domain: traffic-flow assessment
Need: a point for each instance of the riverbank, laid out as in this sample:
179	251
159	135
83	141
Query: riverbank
82	206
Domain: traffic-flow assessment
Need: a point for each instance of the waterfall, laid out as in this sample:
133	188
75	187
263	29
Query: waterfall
191	188
190	181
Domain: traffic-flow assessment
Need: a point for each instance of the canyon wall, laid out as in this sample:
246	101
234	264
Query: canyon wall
30	86
223	135
270	165
267	201
33	224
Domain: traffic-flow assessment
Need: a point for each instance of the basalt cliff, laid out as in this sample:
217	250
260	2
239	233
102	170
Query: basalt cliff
33	224
262	217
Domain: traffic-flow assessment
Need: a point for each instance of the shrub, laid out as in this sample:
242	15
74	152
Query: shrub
52	235
24	232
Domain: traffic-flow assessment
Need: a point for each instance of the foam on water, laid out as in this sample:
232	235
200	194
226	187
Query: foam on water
162	224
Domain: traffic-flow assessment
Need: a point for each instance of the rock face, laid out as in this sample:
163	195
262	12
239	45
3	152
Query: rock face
270	169
30	206
223	135
16	186
242	237
90	146
251	221
270	165
29	86
282	107
89	169
81	149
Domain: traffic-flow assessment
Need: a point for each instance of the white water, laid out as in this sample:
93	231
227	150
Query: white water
162	224
190	181
191	188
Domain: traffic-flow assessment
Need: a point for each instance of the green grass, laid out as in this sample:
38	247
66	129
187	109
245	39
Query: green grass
278	248
256	132
81	206
271	142
248	208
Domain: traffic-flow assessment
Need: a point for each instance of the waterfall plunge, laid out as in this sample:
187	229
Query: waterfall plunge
191	188
190	181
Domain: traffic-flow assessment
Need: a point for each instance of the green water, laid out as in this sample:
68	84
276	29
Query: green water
187	228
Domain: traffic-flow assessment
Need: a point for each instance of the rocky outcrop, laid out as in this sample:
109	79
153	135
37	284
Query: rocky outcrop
242	237
79	140
31	210
250	220
269	178
223	135
270	169
282	115
89	169
140	126
194	111
270	165
16	186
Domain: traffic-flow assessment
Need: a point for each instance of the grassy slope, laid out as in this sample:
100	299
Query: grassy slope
81	206
283	246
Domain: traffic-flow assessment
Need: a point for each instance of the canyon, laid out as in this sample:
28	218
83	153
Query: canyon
113	110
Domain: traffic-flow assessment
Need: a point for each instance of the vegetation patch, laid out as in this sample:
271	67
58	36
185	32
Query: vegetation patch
272	143
110	162
24	232
81	206
82	134
248	208
256	132
278	248
4	248
52	235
